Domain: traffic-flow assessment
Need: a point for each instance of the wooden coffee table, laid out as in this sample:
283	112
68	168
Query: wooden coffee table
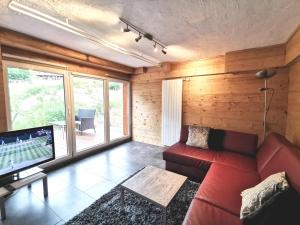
155	185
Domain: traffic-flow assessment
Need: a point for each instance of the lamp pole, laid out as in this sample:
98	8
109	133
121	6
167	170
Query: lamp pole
265	110
265	74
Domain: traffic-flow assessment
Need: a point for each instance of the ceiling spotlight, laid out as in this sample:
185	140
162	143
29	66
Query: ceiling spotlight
155	48
125	29
142	34
138	38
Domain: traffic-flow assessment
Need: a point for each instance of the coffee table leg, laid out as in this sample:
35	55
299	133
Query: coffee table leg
122	197
164	222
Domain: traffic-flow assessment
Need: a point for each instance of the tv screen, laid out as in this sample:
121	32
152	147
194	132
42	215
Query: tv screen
22	149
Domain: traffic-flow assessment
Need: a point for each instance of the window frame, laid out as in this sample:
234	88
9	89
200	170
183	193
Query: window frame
128	108
69	106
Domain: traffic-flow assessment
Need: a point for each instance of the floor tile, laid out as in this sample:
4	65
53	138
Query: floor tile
25	208
111	173
61	222
100	189
55	185
83	180
74	187
69	203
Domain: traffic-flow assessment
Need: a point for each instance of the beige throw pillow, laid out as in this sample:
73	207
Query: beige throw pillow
254	199
198	137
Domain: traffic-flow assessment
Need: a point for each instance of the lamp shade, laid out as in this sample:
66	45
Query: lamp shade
265	74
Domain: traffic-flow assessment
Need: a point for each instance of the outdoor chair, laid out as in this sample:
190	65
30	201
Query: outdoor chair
84	120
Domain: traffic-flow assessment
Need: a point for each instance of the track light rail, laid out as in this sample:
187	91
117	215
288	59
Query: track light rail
144	34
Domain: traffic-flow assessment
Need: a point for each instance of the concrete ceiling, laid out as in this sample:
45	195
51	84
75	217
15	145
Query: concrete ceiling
191	29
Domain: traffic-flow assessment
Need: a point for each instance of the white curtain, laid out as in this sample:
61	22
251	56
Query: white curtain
171	111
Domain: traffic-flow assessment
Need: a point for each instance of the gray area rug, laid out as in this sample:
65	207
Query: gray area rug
107	210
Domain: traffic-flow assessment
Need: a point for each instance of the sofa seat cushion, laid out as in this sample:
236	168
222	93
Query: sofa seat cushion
193	173
236	160
189	156
223	185
203	213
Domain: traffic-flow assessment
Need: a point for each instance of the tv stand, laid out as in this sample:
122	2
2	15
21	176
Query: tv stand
28	172
21	182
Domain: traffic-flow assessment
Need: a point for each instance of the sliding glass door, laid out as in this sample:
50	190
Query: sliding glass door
37	98
118	109
86	111
89	112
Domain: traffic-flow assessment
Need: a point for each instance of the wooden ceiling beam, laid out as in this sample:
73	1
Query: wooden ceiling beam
20	55
22	41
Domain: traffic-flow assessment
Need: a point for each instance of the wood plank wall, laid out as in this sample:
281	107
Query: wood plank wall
227	100
293	47
146	108
293	117
255	59
233	102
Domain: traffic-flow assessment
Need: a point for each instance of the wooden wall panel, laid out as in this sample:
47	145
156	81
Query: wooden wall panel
233	102
255	59
200	67
224	100
293	47
229	101
146	110
293	118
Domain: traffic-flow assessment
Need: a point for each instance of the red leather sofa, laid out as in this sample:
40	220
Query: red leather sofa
225	172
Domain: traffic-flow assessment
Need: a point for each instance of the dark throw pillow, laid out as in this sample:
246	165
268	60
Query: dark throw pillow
283	209
215	139
184	133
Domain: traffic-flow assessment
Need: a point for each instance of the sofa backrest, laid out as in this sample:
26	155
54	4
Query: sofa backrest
277	154
227	140
240	142
184	134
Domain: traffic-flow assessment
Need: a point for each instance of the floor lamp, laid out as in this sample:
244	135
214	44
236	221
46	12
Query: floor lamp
266	74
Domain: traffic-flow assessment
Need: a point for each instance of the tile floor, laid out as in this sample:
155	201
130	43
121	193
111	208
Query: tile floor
78	185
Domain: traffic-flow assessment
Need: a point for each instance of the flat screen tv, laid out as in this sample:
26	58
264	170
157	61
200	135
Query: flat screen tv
23	149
